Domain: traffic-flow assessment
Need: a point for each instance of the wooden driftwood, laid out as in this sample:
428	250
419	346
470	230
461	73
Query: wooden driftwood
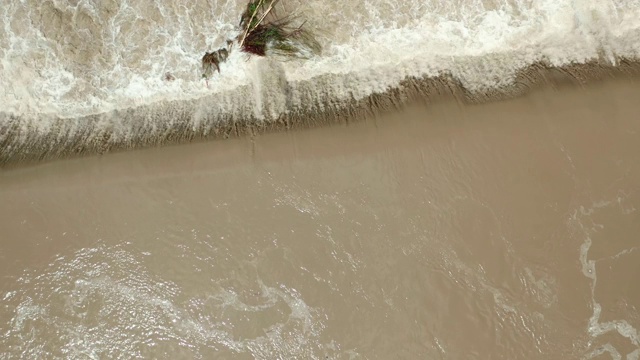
211	60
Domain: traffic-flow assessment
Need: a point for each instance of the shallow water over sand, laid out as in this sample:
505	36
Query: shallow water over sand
499	231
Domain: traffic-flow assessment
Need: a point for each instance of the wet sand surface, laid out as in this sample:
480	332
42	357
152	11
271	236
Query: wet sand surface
506	230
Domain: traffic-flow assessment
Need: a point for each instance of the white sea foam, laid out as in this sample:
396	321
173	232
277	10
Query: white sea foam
75	58
104	302
585	227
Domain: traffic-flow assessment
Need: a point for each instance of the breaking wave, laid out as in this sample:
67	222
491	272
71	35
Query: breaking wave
90	75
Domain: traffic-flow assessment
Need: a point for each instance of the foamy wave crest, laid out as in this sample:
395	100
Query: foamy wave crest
95	70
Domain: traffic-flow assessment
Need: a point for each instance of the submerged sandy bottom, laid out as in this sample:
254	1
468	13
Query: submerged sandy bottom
502	230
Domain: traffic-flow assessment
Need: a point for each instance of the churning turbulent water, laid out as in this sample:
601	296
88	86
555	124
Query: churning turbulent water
72	58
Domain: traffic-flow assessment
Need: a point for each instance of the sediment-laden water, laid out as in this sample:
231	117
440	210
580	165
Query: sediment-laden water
506	230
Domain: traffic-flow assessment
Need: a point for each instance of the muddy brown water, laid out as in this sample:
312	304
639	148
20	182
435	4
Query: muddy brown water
507	230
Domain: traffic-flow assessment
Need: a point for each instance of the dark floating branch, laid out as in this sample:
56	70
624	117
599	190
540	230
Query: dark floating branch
263	33
213	59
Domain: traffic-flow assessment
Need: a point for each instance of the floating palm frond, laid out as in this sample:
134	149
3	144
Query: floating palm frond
263	33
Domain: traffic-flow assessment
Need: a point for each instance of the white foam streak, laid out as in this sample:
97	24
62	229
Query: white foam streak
585	227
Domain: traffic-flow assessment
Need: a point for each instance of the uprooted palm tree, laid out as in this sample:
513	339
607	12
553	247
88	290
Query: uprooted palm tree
265	32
